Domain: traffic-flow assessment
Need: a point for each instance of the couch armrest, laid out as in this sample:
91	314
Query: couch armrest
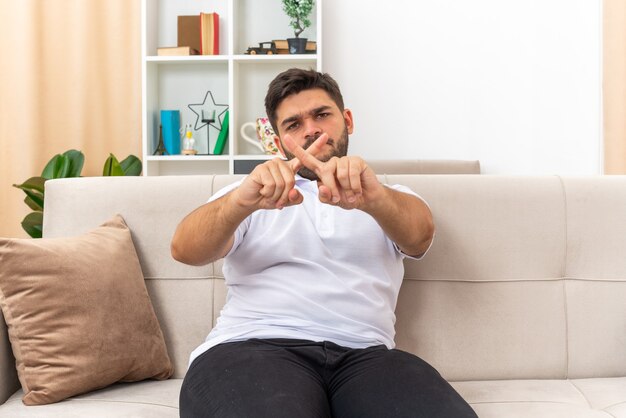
9	383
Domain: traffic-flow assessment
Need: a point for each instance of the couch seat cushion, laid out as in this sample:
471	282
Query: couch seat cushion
154	399
601	397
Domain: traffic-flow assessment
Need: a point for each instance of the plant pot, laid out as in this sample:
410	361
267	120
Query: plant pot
297	45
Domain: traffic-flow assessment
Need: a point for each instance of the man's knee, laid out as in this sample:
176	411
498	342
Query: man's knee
246	380
395	383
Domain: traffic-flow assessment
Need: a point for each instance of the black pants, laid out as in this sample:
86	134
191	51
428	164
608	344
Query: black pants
299	378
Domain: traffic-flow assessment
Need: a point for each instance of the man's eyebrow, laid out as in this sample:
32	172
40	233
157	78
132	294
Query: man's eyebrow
319	109
290	119
315	111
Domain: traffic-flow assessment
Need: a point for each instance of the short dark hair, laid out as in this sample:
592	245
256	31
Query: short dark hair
295	80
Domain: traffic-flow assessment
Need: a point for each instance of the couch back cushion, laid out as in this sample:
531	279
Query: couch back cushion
152	207
424	166
526	278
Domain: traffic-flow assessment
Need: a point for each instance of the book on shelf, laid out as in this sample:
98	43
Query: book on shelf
281	44
210	33
189	32
167	51
222	137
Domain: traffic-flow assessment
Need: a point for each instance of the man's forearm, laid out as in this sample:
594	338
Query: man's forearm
406	220
207	233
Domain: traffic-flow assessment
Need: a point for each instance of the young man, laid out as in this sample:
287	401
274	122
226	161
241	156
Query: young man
313	251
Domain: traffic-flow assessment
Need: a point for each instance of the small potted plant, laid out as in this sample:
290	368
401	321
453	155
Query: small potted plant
298	11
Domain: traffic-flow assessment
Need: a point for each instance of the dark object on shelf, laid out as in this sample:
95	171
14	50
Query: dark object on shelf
160	149
246	166
264	48
297	45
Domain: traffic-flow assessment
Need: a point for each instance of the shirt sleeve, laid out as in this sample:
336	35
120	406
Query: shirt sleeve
224	191
243	226
405	189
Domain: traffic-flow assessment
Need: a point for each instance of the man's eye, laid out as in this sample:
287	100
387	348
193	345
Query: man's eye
292	126
322	115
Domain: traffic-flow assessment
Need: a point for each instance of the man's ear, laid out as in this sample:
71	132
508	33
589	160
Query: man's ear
348	118
279	145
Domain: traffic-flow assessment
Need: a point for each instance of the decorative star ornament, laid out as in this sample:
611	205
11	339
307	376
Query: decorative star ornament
210	113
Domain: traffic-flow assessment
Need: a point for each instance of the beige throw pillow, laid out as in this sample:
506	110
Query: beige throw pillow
78	313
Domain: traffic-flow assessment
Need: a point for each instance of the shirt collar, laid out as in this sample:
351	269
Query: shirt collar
306	183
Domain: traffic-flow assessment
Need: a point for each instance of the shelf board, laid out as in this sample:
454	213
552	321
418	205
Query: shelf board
254	157
187	58
275	58
187	158
225	58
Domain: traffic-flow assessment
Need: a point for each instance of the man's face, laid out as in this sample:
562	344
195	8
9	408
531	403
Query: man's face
307	115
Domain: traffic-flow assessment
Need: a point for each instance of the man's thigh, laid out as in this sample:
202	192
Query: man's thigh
251	379
377	382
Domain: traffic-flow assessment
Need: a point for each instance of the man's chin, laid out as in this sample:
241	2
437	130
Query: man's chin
308	174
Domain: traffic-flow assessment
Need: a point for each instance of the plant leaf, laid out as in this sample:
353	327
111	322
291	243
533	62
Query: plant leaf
68	164
131	166
33	224
75	159
64	167
36	197
52	167
33	183
112	167
33	187
32	204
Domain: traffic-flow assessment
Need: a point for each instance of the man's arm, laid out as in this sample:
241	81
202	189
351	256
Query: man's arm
207	233
349	183
406	220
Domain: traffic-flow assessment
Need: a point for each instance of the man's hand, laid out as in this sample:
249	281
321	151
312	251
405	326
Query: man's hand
271	184
346	182
350	184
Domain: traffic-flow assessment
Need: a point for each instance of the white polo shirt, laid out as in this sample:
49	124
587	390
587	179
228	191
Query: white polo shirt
311	271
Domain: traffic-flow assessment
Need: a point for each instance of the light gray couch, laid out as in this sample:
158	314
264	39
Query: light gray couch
520	303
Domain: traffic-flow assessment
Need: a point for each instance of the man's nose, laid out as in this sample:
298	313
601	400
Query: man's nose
311	128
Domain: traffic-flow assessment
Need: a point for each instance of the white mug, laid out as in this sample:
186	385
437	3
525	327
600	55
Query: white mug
264	136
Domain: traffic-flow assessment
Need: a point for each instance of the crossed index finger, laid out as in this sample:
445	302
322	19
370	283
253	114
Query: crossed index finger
314	149
308	160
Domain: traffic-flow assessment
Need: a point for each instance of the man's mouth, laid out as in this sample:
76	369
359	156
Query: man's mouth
310	142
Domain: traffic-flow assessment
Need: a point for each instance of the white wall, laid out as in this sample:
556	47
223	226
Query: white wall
515	84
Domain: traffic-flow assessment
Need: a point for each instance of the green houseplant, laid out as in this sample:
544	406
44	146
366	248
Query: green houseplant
68	164
298	11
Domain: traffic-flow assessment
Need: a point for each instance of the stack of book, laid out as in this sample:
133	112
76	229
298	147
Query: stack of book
176	50
209	33
197	34
282	46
